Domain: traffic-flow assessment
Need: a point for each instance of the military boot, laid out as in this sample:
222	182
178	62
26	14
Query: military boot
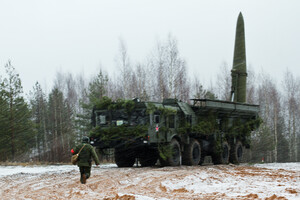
87	175
83	178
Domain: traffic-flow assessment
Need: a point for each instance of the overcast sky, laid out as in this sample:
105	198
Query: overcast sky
41	37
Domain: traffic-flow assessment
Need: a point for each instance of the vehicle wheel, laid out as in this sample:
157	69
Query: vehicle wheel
163	162
192	153
174	158
149	158
202	158
236	153
124	158
222	157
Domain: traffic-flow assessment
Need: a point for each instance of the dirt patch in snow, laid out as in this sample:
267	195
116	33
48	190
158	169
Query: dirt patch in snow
184	182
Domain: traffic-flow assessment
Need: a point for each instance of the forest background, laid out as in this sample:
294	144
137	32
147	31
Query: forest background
44	126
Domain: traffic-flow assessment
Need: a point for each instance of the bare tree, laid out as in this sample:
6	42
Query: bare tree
198	92
138	82
157	63
291	88
251	86
170	70
270	111
176	70
124	66
223	84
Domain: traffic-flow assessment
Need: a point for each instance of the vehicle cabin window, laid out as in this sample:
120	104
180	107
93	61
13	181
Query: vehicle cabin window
156	119
172	121
138	117
102	119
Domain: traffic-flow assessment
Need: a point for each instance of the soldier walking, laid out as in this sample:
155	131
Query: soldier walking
85	158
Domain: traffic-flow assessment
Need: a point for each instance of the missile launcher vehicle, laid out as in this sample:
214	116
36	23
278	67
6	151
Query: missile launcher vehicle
176	132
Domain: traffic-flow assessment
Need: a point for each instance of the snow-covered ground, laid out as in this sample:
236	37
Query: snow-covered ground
39	169
285	166
260	181
281	180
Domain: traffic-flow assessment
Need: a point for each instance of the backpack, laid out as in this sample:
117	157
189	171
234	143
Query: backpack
74	158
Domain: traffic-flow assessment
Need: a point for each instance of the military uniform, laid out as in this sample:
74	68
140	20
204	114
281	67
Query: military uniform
85	159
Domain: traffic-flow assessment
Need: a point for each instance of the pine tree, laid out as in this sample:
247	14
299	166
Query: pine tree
16	116
4	123
96	90
60	126
39	116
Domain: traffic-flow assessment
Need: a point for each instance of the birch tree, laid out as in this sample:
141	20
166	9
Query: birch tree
170	70
270	111
176	71
138	82
159	80
125	71
223	83
251	86
292	97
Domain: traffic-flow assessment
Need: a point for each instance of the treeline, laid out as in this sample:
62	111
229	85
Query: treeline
44	127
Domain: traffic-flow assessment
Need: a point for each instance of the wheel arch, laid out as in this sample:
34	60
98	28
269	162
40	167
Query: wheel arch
175	136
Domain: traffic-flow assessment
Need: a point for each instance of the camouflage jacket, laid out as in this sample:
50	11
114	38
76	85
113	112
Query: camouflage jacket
86	155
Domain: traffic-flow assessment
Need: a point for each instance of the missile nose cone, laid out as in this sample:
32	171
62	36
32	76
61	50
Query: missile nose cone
239	49
240	15
239	71
240	21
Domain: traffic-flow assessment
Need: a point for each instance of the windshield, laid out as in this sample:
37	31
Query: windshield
121	117
139	117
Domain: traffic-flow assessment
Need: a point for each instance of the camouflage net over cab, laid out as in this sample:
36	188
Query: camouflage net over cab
122	132
164	111
109	104
116	133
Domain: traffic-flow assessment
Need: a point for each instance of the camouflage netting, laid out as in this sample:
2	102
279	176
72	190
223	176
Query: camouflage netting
113	133
109	104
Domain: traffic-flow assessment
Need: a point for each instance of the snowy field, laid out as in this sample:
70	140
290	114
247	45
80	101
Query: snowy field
37	170
261	181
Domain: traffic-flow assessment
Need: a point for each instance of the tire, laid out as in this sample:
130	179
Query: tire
192	153
202	158
124	158
222	157
163	162
174	158
149	158
236	153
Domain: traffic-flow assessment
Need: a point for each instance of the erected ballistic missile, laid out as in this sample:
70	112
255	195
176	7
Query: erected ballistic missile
239	70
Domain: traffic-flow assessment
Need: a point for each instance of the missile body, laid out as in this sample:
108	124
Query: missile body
239	70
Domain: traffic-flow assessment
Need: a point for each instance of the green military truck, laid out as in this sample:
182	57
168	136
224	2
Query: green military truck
177	132
174	132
